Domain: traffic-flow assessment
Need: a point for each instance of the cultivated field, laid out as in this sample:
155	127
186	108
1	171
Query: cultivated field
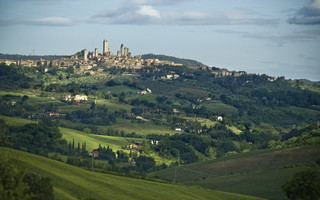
71	182
142	128
234	172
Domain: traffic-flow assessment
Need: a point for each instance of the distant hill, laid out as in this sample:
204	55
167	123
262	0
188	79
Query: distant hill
31	57
306	81
183	61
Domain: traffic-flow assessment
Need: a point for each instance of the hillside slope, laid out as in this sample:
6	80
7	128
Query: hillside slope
71	182
259	173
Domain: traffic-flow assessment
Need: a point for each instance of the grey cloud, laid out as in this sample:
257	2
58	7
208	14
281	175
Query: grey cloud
123	15
47	21
309	14
134	14
157	2
278	38
50	21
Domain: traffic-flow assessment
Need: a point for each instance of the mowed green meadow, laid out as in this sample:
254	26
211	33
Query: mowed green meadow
143	128
93	141
12	121
71	182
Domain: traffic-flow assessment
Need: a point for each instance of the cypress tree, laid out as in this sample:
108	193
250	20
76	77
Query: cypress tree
78	150
69	151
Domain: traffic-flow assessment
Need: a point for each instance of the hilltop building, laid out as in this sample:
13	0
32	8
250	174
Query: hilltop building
85	55
95	53
105	47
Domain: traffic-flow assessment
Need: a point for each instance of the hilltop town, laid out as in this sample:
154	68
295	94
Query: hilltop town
84	61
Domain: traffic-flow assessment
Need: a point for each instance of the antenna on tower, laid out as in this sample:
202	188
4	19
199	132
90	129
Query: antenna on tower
33	51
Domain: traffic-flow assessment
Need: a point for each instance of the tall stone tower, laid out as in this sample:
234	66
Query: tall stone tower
122	50
126	51
85	55
105	47
95	52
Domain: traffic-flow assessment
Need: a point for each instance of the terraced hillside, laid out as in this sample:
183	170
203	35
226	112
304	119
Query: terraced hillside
71	182
255	173
302	156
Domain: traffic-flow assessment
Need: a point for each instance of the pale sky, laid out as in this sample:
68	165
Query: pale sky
274	37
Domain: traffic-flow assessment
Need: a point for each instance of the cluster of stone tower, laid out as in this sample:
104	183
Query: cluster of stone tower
123	52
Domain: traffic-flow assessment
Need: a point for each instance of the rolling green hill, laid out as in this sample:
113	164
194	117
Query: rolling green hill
255	173
71	182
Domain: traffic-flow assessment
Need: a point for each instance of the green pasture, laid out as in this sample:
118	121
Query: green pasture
114	105
160	160
148	97
33	98
203	121
143	128
12	121
93	141
71	182
71	108
3	93
192	91
234	129
265	184
120	88
219	107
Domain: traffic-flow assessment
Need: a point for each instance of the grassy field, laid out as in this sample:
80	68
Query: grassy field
268	164
121	88
234	129
71	182
33	98
142	128
71	108
93	141
219	107
12	121
203	121
264	184
193	91
113	105
148	97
